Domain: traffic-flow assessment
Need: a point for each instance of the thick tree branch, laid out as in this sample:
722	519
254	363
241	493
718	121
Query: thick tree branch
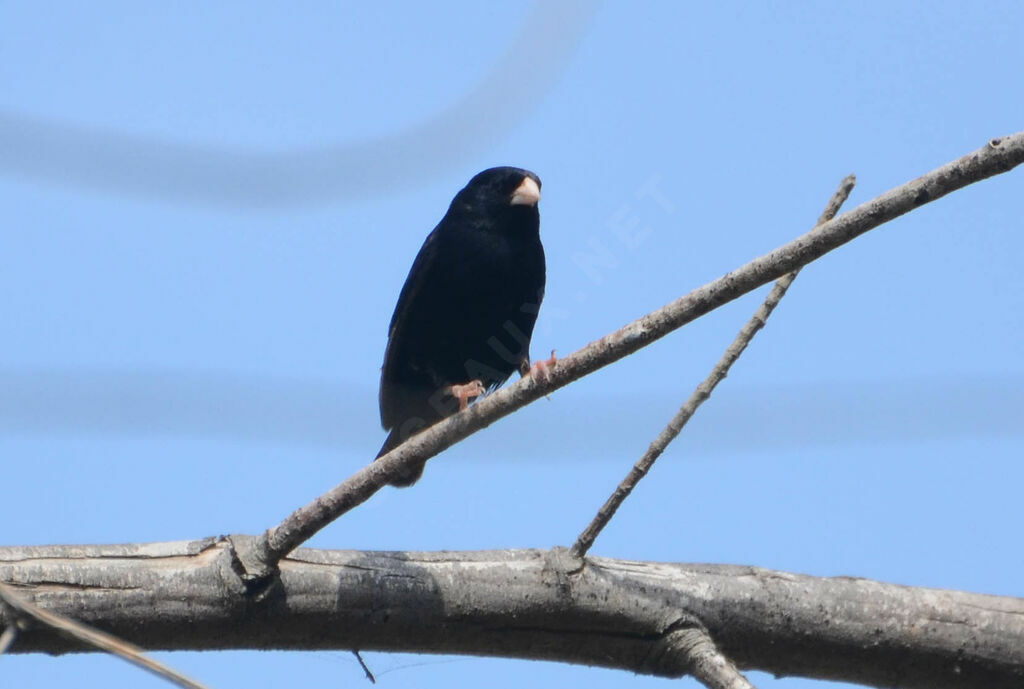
703	391
999	155
525	604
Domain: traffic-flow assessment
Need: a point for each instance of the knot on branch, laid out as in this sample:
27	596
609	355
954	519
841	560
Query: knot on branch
687	648
249	563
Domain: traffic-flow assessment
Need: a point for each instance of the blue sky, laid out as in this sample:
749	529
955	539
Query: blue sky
210	210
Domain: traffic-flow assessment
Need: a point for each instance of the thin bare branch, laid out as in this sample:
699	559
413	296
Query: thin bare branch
703	391
708	664
8	638
95	638
997	156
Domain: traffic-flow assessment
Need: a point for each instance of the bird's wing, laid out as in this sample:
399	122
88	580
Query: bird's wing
421	268
390	395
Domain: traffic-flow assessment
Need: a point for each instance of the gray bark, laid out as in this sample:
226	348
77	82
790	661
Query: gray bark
534	604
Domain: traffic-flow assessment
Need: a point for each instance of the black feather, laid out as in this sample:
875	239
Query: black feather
468	306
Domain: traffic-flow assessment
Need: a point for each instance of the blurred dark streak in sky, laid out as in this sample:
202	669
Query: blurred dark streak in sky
333	416
94	158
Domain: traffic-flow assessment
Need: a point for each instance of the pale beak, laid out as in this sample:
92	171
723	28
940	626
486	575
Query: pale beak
526	194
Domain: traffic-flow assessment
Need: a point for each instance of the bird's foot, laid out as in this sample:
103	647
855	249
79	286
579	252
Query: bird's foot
542	369
464	393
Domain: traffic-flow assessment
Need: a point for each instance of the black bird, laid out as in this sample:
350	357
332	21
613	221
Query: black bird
466	313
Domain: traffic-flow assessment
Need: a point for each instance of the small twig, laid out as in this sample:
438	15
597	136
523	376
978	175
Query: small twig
369	675
94	637
703	391
998	156
708	665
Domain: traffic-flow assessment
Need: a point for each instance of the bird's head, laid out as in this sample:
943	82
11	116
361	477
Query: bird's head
501	190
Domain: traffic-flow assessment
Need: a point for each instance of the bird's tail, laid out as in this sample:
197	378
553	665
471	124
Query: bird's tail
409	475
